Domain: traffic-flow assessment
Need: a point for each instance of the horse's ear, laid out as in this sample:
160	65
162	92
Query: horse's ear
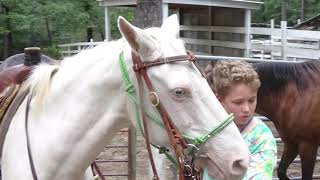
140	41
171	25
129	32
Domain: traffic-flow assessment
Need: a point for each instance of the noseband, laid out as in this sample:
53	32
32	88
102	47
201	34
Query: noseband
185	161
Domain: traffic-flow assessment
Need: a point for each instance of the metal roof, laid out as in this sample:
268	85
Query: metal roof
243	4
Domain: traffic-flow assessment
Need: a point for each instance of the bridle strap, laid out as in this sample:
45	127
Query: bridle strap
146	132
167	60
33	170
176	139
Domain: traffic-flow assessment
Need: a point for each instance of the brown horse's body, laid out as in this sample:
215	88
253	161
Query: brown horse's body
290	97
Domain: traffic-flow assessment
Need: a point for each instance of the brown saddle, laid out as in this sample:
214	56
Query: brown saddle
13	72
10	81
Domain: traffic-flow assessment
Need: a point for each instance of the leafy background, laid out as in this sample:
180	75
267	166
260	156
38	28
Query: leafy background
46	23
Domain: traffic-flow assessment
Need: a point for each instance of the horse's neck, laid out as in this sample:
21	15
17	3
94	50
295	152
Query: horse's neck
97	114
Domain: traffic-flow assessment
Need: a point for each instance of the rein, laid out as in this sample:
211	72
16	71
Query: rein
33	170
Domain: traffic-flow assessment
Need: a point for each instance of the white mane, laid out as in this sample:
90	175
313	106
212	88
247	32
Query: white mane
40	79
39	83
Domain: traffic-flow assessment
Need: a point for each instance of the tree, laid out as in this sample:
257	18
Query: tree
284	10
45	23
148	13
278	10
303	2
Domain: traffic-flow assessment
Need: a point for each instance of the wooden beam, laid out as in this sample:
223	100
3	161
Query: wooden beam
244	4
247	26
165	11
107	24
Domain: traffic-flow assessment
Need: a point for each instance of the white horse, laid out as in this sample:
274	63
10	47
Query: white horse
76	111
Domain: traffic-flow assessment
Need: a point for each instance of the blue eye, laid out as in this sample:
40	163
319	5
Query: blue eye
179	92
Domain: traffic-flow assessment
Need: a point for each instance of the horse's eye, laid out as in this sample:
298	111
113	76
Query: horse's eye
179	92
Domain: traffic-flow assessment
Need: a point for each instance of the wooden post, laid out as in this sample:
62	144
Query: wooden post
91	43
69	49
107	24
284	40
132	161
165	11
210	24
79	49
271	36
298	21
247	26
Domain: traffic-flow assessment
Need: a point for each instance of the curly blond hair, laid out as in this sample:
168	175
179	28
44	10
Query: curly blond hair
225	74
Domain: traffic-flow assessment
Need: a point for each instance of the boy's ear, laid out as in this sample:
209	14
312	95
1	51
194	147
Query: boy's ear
220	98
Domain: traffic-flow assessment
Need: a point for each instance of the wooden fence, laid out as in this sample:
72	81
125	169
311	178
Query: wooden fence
271	43
266	43
74	48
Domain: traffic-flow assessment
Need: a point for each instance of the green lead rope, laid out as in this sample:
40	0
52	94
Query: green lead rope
129	88
202	139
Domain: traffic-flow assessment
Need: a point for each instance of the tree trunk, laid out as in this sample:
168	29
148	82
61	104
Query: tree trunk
89	34
148	13
48	31
88	9
284	10
7	39
303	3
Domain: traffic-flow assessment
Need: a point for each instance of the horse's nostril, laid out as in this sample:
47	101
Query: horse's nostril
238	167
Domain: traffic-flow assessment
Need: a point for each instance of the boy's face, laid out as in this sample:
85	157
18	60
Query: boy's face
241	100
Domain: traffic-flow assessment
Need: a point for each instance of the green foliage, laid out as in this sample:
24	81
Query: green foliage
115	12
52	51
45	23
271	9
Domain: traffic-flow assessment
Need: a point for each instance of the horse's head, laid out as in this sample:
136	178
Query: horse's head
188	99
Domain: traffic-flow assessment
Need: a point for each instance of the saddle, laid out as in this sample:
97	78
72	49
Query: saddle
12	76
10	81
11	96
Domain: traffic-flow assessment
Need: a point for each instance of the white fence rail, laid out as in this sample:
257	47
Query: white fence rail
276	43
74	48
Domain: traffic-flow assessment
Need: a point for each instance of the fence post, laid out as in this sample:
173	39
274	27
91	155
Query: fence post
132	161
284	40
79	49
209	32
247	25
271	36
107	24
91	43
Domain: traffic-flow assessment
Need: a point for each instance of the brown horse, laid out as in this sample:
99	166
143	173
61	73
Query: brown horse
290	97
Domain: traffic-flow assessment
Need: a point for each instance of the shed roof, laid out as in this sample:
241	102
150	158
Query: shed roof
312	23
243	4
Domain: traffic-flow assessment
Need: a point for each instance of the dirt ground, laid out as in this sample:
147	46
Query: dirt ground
121	153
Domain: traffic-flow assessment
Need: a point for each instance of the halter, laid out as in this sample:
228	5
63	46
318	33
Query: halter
185	153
